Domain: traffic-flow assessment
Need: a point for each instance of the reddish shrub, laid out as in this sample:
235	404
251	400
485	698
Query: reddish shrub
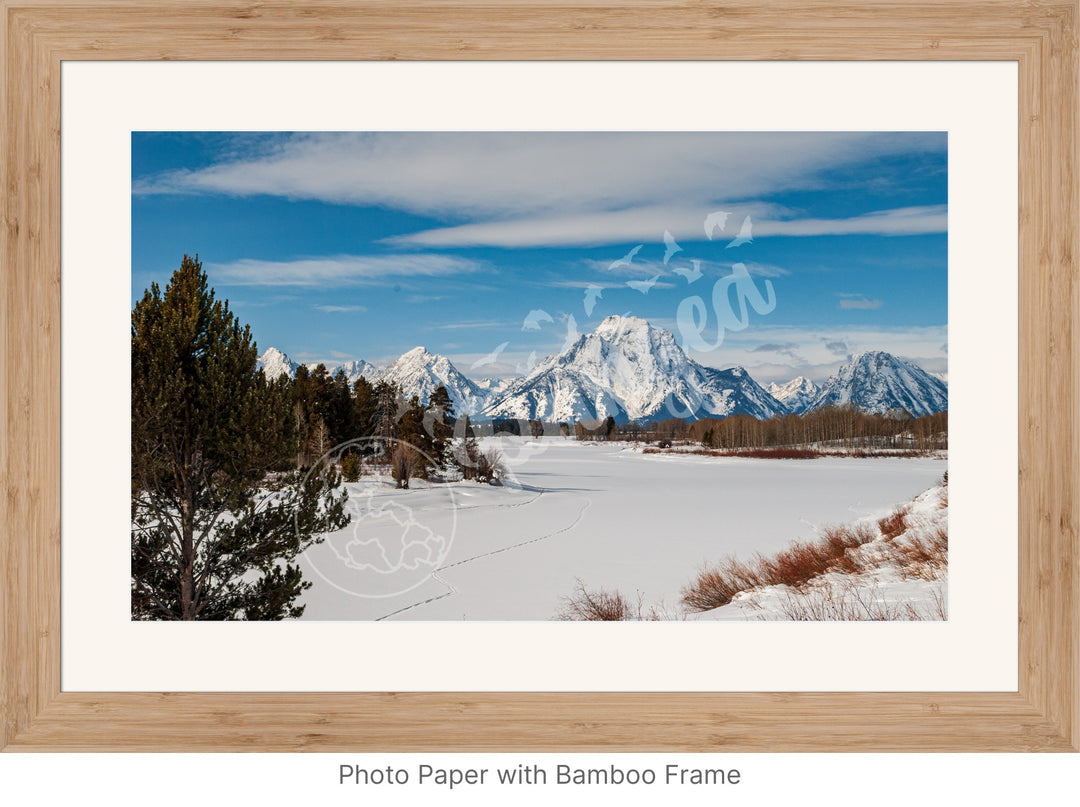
594	606
894	524
924	557
774	453
717	585
795	566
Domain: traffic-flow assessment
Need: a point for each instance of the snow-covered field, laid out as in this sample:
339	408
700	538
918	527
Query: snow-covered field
602	513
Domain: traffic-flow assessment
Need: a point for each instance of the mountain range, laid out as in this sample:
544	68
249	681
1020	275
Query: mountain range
633	371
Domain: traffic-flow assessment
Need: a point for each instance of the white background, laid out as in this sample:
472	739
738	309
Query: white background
304	780
102	104
790	96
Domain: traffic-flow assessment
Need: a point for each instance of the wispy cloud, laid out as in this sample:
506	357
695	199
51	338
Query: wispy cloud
340	269
339	309
646	224
469	325
508	174
583	284
819	352
762	269
900	221
789	349
858	301
649	267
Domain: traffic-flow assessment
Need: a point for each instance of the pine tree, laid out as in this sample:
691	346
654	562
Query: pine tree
301	415
363	407
439	423
350	467
342	415
384	418
411	431
216	522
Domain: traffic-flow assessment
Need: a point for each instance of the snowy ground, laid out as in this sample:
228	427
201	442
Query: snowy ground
602	513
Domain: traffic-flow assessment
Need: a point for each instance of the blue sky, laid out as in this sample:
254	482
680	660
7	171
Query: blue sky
336	246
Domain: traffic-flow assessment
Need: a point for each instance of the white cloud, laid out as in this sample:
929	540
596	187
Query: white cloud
340	269
585	284
469	325
647	224
859	302
537	184
901	221
339	309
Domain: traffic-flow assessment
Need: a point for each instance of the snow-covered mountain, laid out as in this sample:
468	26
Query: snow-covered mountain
420	373
491	386
631	371
876	381
274	363
358	367
796	394
417	372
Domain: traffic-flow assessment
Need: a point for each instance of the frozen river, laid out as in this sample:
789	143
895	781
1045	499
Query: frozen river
605	514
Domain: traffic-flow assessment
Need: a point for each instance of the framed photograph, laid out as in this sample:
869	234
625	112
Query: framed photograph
599	352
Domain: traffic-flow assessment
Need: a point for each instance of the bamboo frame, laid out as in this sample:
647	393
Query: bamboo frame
38	34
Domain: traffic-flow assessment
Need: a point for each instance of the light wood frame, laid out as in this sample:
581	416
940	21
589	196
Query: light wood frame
36	35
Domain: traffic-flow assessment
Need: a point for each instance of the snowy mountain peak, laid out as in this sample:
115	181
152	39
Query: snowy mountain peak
878	382
875	359
615	327
419	373
358	367
274	363
796	394
630	370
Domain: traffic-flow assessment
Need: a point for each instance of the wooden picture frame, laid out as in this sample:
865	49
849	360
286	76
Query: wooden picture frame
37	35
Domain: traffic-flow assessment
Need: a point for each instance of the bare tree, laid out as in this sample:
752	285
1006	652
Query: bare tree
404	463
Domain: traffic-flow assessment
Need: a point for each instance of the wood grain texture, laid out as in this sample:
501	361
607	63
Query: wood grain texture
37	34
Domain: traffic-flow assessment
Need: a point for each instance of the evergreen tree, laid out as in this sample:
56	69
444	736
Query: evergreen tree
384	419
342	415
363	407
301	415
610	431
350	467
412	432
214	529
439	423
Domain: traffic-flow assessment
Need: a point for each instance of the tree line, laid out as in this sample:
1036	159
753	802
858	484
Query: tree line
844	427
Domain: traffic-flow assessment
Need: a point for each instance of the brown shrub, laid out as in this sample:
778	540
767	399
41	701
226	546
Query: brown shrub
803	561
774	453
850	603
405	463
690	452
715	586
841	539
924	558
894	524
594	606
795	566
